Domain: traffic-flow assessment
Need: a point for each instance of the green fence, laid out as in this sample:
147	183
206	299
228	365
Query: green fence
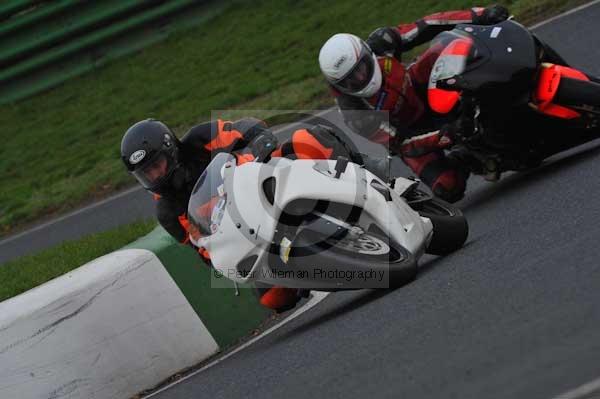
44	43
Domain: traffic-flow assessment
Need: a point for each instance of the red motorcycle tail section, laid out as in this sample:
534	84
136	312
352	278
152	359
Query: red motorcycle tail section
548	82
451	62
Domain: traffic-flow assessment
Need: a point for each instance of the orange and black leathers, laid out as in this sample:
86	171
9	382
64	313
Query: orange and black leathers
204	141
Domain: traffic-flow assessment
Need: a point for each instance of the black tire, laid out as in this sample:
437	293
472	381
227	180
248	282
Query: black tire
402	265
450	227
393	259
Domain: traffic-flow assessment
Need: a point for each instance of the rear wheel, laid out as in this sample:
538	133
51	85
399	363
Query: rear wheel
450	227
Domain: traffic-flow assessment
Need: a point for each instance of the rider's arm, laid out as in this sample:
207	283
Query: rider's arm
404	37
360	117
169	220
425	29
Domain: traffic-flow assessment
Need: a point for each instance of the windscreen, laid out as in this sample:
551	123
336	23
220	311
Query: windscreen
207	202
457	51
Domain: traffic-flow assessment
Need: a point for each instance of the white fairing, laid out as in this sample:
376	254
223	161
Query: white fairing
339	55
249	222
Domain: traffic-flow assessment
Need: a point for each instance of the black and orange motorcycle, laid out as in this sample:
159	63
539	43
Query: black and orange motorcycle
517	101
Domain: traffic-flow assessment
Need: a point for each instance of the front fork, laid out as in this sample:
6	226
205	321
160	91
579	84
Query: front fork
479	162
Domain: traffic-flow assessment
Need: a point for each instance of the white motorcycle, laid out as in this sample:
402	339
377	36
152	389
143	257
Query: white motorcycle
319	224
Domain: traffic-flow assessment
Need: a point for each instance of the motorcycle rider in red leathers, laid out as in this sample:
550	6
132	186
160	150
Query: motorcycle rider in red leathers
370	76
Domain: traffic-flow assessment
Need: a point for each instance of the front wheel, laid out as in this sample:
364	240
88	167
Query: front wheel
357	253
380	252
450	227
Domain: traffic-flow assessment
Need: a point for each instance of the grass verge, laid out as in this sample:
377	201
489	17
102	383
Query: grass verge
61	148
27	272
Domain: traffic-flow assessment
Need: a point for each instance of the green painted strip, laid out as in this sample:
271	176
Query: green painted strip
227	317
36	16
90	40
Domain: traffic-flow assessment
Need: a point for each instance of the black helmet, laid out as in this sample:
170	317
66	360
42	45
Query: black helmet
149	150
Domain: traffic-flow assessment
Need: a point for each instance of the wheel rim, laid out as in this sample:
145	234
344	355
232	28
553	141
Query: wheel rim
363	244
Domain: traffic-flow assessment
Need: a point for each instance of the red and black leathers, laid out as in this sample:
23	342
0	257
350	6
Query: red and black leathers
404	95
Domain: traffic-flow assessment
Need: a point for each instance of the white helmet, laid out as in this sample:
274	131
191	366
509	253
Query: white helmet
350	65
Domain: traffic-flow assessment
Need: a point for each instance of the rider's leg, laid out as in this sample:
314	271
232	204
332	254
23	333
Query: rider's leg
315	142
318	142
447	181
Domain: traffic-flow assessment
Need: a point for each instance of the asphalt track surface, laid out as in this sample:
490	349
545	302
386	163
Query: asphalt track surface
514	314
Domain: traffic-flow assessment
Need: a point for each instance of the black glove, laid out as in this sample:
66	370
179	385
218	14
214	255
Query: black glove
463	126
386	41
492	15
263	145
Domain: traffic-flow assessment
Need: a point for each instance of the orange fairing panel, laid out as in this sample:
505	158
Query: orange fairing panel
451	62
548	82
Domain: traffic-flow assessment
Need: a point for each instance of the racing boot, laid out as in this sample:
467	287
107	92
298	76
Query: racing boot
450	186
280	299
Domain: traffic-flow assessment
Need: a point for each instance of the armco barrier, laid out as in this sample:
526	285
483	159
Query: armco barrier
37	45
36	17
62	31
11	7
64	66
79	35
119	325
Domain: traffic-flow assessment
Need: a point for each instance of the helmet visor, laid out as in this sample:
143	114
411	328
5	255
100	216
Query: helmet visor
155	171
358	78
